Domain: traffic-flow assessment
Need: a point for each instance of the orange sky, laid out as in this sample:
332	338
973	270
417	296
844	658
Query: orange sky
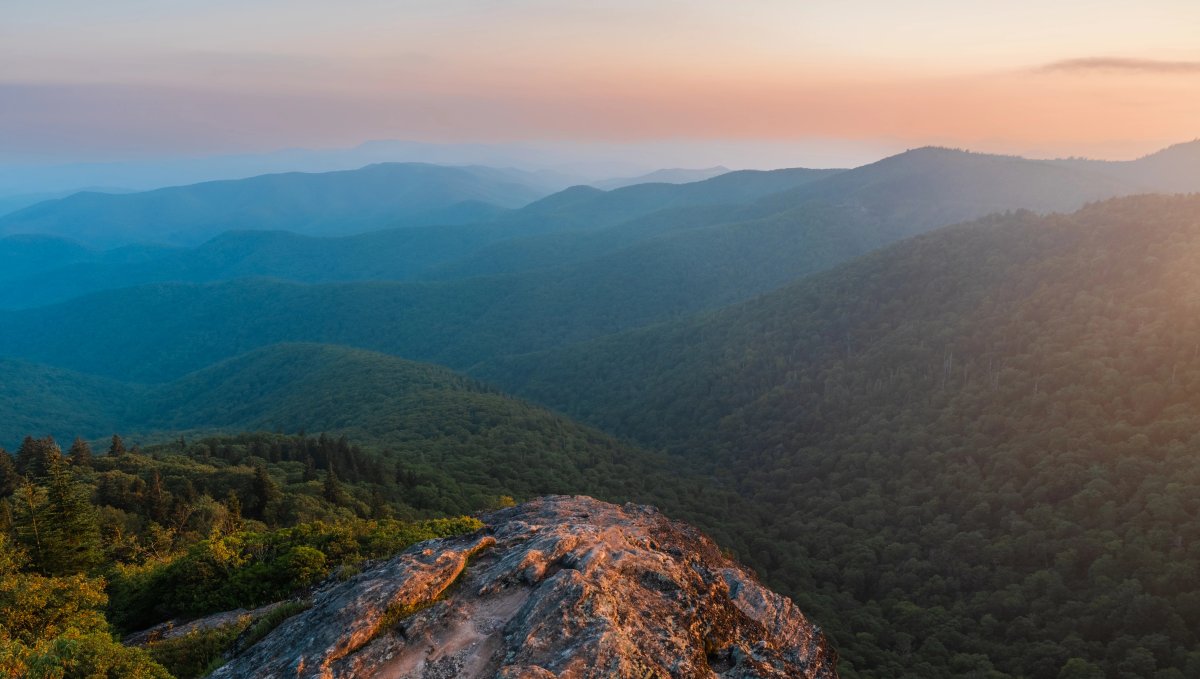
1087	77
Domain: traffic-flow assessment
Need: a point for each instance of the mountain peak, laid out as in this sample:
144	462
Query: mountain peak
561	586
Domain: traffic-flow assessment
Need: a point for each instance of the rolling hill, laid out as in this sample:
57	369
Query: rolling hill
346	202
161	331
405	253
882	202
982	435
464	442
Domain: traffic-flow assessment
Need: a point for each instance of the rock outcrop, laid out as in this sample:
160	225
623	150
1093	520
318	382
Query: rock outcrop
558	587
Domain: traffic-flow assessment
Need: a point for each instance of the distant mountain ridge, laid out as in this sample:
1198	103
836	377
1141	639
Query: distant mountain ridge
904	194
681	249
664	176
406	253
345	202
1175	169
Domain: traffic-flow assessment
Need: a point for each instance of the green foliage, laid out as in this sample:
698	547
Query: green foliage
10	478
978	444
275	617
88	656
56	523
35	456
197	653
250	569
53	627
80	454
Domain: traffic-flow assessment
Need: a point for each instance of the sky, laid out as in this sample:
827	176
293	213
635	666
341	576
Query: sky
841	80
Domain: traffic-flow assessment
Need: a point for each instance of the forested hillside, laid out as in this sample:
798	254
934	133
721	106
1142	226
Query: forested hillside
159	332
462	443
119	538
977	445
878	203
115	532
657	266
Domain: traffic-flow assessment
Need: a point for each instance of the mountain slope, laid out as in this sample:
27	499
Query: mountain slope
390	254
38	400
587	207
931	187
25	256
882	202
160	332
664	176
993	423
328	203
897	197
435	252
1175	169
465	441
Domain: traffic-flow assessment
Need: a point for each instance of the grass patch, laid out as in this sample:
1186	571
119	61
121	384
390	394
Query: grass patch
398	612
263	626
196	654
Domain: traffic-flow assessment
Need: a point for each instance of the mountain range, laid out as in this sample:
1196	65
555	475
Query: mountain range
946	401
344	202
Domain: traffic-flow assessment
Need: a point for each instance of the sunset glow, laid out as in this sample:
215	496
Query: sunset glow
1100	78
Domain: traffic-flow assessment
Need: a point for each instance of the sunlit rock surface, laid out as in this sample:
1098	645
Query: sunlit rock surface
558	587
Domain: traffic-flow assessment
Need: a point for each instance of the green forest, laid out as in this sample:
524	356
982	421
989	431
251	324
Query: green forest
93	546
973	453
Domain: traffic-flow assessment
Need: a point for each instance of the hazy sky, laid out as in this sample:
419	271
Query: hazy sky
121	78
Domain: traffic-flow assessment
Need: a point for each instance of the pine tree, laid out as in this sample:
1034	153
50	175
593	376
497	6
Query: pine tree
117	448
233	513
379	506
81	454
71	538
9	478
310	469
28	518
333	488
155	500
265	493
35	456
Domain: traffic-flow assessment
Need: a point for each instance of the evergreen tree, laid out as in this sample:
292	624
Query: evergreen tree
310	469
34	457
28	518
333	491
379	506
233	513
71	542
265	493
81	454
9	478
117	448
155	500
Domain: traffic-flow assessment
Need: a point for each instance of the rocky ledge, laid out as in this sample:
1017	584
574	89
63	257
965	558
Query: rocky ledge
558	587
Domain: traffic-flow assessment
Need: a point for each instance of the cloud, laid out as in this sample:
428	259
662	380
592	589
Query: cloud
1121	65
